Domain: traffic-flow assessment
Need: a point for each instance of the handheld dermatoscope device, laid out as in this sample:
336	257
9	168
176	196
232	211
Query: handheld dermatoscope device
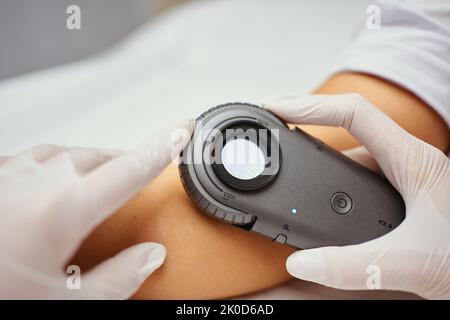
245	167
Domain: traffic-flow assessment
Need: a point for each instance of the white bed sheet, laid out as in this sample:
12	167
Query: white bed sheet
202	54
180	64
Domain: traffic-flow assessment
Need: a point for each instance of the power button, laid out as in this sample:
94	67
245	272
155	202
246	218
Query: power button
341	203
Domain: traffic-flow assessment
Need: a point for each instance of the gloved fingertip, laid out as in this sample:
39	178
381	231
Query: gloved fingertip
285	107
270	103
153	257
305	265
191	124
187	124
180	137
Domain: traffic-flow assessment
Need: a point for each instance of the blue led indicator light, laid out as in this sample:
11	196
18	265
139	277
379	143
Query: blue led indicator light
294	211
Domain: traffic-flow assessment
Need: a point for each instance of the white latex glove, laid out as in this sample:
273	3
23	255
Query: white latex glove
52	197
415	256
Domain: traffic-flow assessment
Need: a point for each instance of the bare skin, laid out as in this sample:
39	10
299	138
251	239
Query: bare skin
209	259
402	106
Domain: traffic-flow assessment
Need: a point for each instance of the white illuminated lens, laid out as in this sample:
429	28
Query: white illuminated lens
243	159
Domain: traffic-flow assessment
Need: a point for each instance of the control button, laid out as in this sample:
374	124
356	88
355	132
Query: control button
280	238
341	203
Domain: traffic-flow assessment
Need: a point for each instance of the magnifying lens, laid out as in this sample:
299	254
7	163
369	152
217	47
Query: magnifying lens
243	159
245	167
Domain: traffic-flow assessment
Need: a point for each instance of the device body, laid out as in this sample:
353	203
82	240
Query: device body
308	196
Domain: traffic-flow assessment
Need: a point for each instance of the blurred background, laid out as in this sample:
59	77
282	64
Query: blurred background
33	37
138	65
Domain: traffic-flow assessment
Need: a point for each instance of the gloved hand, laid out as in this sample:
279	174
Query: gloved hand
52	197
415	256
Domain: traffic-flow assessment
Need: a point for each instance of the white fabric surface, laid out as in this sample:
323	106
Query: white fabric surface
202	54
412	49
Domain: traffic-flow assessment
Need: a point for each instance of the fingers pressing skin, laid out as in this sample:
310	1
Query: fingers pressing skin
386	141
109	186
120	276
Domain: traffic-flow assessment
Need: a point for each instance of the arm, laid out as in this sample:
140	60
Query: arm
208	259
402	106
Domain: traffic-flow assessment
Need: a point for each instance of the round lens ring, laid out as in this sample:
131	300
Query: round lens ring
242	154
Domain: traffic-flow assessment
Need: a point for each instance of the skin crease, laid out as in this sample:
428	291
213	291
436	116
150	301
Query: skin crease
208	259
